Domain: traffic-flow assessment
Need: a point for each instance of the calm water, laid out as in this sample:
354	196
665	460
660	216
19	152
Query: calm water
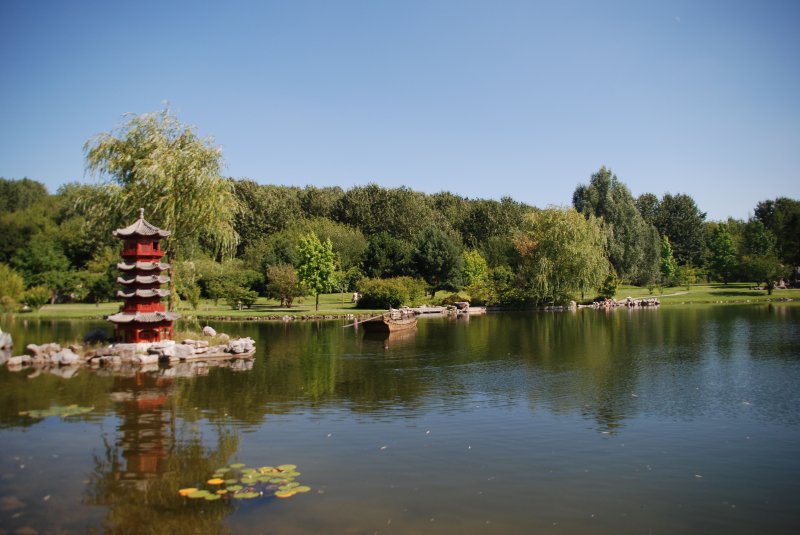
655	421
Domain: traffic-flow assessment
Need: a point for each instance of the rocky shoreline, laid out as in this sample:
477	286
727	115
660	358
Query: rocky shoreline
113	357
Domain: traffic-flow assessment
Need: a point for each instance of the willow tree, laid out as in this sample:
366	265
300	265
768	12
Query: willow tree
562	253
156	162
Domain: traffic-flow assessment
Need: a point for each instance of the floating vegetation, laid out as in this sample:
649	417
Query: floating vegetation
243	483
64	411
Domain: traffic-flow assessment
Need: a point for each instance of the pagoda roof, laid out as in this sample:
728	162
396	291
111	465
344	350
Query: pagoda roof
144	266
141	228
143	317
143	293
144	279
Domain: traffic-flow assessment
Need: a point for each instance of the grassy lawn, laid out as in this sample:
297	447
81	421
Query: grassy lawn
709	293
329	305
340	305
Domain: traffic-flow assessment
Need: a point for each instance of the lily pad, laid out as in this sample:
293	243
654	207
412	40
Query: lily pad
234	488
285	493
199	494
187	491
213	497
287	467
231	481
246	495
215	481
237	465
302	488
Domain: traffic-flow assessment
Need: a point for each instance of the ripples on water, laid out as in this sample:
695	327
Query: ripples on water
648	421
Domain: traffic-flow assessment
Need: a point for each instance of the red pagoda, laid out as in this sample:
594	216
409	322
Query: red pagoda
143	317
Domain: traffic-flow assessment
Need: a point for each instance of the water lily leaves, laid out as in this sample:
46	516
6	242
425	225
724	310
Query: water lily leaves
242	483
246	495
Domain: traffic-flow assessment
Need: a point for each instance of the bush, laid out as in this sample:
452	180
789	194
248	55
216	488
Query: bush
454	298
382	293
36	297
394	292
238	297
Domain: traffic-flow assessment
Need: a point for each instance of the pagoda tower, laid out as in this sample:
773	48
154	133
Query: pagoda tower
143	317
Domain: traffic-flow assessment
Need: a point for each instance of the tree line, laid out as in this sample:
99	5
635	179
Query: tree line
236	239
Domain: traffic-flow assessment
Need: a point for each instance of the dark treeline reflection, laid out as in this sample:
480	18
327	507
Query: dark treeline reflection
605	366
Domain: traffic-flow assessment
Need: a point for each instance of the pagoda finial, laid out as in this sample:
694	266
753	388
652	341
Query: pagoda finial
141	213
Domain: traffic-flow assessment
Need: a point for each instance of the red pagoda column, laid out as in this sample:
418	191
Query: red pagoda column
143	317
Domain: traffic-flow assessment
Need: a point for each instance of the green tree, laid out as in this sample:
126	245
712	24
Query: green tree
156	162
683	223
320	202
722	259
41	255
628	233
283	284
760	260
317	265
387	256
487	219
476	270
648	204
11	287
668	266
264	209
437	258
562	254
782	218
20	194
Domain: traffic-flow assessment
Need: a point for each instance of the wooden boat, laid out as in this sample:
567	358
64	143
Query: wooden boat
392	321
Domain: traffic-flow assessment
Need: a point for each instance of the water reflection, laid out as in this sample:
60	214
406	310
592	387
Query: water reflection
153	454
563	407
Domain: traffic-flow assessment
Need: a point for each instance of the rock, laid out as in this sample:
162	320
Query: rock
183	351
66	357
104	351
126	351
241	345
146	359
5	340
21	360
209	331
43	351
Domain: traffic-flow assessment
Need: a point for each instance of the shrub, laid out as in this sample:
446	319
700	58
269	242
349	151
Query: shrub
454	298
36	297
239	297
382	293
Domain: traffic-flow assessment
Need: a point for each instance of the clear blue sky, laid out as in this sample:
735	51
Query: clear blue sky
484	99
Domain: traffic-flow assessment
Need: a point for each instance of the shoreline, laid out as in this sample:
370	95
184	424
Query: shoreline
288	318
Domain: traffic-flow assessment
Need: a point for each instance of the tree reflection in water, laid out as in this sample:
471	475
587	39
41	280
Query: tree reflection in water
153	455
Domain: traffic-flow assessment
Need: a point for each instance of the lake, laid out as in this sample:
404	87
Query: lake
679	420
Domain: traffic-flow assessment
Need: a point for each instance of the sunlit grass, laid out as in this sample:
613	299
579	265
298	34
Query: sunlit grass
709	293
340	305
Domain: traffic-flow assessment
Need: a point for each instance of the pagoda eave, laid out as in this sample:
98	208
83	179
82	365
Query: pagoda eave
144	317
